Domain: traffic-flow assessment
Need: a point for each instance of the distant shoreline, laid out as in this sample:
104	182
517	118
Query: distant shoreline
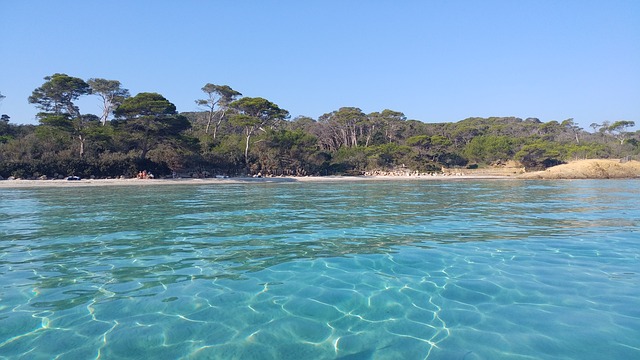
581	169
233	180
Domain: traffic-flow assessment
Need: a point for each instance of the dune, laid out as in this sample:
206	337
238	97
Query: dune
589	169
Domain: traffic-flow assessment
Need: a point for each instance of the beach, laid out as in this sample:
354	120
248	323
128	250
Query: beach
232	180
580	169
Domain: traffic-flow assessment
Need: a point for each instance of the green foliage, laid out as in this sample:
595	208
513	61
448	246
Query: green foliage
452	160
261	109
349	160
227	157
584	151
6	131
286	152
111	93
219	97
253	114
243	120
388	156
108	165
58	93
419	141
147	120
56	98
252	135
618	129
145	104
60	121
539	155
489	148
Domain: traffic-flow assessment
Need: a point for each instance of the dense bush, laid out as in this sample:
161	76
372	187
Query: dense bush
252	135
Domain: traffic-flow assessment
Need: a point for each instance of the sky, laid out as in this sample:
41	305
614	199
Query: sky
433	60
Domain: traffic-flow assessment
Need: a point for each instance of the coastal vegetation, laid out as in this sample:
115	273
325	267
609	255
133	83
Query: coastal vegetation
235	135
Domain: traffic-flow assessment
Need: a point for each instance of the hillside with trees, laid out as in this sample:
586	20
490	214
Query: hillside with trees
235	135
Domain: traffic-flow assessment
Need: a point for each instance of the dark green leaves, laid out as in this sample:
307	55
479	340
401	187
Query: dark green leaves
58	94
145	104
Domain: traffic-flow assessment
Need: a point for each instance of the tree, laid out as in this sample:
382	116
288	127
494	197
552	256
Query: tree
393	122
288	152
550	130
302	123
343	125
431	146
388	121
149	119
111	93
5	133
489	148
217	103
56	99
574	128
388	155
605	128
5	117
539	155
420	142
619	129
58	93
254	114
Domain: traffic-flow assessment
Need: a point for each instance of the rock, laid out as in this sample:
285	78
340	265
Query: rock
43	177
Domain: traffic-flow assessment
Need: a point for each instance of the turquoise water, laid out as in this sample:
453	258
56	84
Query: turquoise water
358	270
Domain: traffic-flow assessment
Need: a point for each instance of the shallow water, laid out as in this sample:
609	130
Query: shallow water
357	270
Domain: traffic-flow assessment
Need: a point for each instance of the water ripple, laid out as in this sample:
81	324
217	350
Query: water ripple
381	270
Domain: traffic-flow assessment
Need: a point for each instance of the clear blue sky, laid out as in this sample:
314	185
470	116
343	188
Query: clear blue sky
436	61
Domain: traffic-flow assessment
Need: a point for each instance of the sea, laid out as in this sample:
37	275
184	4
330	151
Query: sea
468	269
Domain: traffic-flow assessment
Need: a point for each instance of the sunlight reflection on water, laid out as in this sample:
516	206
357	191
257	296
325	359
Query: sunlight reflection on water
384	270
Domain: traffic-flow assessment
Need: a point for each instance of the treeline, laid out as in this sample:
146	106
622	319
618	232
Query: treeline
235	135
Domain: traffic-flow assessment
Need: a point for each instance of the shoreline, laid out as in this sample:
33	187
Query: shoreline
10	184
576	170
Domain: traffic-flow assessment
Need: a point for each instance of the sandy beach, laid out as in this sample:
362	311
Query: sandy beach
581	169
235	180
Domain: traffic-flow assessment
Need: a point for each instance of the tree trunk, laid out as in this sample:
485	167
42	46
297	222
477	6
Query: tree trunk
209	118
215	128
105	115
81	138
246	148
145	141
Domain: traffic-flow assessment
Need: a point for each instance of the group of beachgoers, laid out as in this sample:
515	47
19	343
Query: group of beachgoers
145	175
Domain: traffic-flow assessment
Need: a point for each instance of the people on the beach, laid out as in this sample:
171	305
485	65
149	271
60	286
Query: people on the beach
145	175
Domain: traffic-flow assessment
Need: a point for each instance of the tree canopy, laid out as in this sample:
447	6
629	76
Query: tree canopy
236	135
111	93
149	119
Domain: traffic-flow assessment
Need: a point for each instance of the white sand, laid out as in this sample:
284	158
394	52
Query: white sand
584	169
238	180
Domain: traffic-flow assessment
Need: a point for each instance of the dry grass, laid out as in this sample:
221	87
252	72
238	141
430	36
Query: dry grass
589	169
